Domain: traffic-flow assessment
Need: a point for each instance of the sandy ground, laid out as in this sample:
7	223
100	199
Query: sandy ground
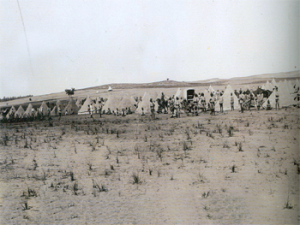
231	168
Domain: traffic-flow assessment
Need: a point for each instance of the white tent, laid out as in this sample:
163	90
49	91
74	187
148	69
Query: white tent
286	98
145	104
10	112
273	82
20	112
112	103
78	103
211	89
43	109
54	111
127	102
179	93
109	88
84	108
269	86
71	108
227	100
29	111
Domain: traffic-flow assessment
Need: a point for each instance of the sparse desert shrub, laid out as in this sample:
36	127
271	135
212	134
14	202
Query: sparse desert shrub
145	138
205	194
240	147
250	132
31	192
90	166
26	144
72	176
233	169
150	172
159	152
100	188
287	204
75	188
230	131
35	165
136	178
226	145
25	206
188	134
112	167
172	177
285	126
219	129
158	173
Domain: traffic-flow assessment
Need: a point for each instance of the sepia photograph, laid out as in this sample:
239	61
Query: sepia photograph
149	112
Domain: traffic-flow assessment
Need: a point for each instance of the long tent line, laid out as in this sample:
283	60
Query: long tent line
287	91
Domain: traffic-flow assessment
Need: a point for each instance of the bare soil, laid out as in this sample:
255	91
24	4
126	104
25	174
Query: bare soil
231	168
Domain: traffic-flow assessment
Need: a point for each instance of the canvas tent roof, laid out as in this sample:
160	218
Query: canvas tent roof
145	104
84	107
71	108
179	93
285	97
54	111
43	109
28	111
127	102
227	99
20	112
112	103
11	111
211	89
268	86
78	103
273	82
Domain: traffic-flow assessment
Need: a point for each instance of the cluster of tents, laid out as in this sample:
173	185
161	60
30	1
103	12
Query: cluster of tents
287	91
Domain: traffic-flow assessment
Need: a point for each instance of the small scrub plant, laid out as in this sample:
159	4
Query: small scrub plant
205	194
233	169
136	178
226	145
287	204
240	146
230	131
72	176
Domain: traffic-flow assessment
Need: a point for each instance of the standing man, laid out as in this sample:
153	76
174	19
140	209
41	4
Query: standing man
232	102
276	98
59	112
152	109
241	101
177	107
91	110
212	104
221	100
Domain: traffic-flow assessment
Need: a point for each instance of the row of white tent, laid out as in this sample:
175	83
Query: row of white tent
286	91
290	85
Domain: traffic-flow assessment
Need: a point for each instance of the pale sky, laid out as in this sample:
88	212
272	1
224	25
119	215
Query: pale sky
84	43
